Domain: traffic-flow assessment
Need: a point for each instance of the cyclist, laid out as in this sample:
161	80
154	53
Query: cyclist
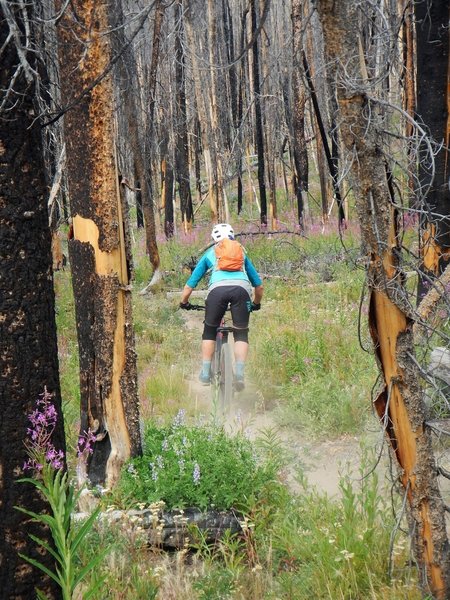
233	288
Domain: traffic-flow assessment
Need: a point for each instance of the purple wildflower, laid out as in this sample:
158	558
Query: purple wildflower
179	419
86	443
39	443
196	474
154	471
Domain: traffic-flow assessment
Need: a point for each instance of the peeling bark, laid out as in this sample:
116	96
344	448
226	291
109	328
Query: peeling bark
101	265
400	403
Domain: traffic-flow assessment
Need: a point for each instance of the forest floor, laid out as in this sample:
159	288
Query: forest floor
320	464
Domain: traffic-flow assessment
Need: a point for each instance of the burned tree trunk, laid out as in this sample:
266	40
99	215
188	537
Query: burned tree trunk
400	403
259	128
101	265
433	99
298	113
408	84
181	129
167	180
148	205
240	111
28	347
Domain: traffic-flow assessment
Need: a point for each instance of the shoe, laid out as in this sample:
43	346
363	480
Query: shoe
204	379
239	383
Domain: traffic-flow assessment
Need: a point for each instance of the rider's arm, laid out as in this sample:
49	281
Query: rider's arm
252	273
187	291
255	280
258	294
202	267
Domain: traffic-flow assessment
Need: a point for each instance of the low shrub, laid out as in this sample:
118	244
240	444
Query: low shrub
199	466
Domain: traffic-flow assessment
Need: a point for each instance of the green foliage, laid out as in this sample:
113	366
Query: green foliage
127	571
194	466
56	488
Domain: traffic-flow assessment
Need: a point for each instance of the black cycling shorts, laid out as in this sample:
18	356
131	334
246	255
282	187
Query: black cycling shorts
217	303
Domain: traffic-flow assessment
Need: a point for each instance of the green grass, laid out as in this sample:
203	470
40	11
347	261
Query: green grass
314	367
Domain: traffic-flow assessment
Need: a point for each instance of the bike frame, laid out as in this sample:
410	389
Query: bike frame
222	367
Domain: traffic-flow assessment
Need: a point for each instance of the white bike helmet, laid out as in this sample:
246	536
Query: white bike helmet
222	231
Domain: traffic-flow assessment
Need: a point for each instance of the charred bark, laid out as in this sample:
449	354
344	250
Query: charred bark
259	128
28	346
101	265
139	210
168	201
148	202
240	111
167	180
330	154
181	129
297	128
432	38
408	82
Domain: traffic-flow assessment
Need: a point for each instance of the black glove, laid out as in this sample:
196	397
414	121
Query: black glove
185	305
256	306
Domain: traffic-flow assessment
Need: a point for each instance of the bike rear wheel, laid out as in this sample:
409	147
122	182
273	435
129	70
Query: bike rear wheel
226	377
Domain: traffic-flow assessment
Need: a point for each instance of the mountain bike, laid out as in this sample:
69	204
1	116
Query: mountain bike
221	366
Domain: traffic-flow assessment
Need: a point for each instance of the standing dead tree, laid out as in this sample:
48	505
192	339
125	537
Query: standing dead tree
297	129
400	401
181	128
100	261
28	346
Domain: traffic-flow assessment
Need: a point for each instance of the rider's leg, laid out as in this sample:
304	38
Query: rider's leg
207	355
208	347
216	305
240	351
240	312
240	356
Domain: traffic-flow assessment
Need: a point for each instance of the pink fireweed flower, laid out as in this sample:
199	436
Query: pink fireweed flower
39	442
86	443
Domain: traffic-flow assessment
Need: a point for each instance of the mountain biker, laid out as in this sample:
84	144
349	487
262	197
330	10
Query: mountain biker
225	288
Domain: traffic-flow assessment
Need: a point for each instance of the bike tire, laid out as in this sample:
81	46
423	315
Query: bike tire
226	378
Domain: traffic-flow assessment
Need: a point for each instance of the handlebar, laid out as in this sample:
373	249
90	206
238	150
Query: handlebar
197	307
190	306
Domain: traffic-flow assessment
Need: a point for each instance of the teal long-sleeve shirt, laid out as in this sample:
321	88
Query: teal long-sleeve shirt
208	261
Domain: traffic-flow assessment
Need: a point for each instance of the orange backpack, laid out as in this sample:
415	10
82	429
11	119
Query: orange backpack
229	255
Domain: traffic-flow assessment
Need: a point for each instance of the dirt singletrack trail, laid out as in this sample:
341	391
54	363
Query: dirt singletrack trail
322	463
